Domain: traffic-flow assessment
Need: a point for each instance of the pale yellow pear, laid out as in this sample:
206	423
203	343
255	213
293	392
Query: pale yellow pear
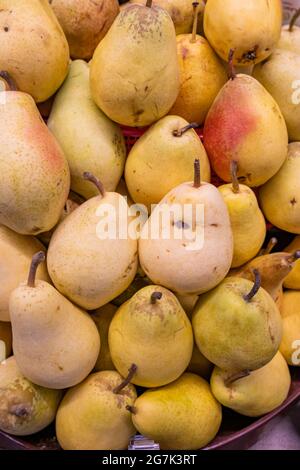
290	311
188	303
199	364
292	281
290	36
103	317
90	141
5	340
183	415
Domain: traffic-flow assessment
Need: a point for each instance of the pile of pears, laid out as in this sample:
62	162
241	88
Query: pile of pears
136	332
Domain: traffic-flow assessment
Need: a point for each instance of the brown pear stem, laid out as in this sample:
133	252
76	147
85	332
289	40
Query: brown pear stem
294	257
183	130
37	259
272	243
90	177
195	23
234	178
197	174
155	297
126	381
232	74
239	375
132	409
149	3
255	288
9	80
294	19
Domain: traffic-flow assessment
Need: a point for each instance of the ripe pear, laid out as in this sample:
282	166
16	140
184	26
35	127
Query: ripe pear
247	221
89	260
95	414
199	364
5	340
251	28
92	142
152	331
237	326
16	252
186	244
55	343
164	149
280	197
290	35
183	415
245	124
25	408
85	23
254	394
35	178
103	317
292	281
134	70
188	303
290	311
34	49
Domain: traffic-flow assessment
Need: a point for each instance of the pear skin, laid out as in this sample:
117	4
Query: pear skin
256	394
5	340
290	311
290	36
199	364
292	281
25	408
103	317
93	417
183	415
188	303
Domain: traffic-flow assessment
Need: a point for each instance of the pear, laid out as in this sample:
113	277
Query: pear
92	142
95	414
152	331
290	35
183	415
169	147
186	244
247	221
123	190
16	252
290	311
237	326
134	70
251	28
85	23
292	281
86	263
245	124
202	76
56	344
280	197
5	340
279	74
25	408
103	317
188	303
199	364
254	394
34	49
35	178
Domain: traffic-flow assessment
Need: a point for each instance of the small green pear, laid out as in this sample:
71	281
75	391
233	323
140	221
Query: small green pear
103	317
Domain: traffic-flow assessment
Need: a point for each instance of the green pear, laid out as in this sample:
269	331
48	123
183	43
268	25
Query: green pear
290	35
169	147
86	263
237	326
90	142
134	70
152	331
103	317
34	49
5	340
55	343
95	414
25	408
183	415
253	394
35	178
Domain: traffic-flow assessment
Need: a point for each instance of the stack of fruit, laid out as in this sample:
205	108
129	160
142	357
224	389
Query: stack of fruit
170	289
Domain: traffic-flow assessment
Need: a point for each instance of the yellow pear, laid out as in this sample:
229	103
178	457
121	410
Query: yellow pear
134	70
55	343
290	35
183	415
290	311
169	147
34	49
16	252
253	394
251	28
95	414
25	408
292	281
92	142
280	197
5	340
103	317
199	364
152	331
188	303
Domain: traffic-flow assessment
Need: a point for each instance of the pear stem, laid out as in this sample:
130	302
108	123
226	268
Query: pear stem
234	178
232	74
239	375
183	130
149	3
90	177
132	409
255	288
293	20
9	80
272	243
195	23
155	297
37	259
294	257
126	381
197	175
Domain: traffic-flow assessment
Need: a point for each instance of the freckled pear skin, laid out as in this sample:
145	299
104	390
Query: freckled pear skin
35	179
245	124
